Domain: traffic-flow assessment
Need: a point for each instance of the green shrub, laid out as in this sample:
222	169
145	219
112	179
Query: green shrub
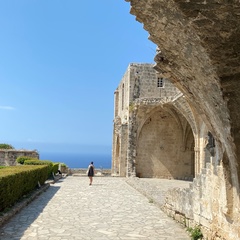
6	146
17	181
55	167
34	161
195	233
22	159
41	162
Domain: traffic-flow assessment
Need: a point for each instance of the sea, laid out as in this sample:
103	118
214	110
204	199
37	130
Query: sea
79	160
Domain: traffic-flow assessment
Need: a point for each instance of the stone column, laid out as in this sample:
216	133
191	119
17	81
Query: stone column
123	150
197	155
132	141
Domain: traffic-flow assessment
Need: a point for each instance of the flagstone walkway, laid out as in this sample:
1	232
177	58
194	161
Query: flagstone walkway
109	209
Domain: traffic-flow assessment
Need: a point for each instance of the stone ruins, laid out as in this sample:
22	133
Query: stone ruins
180	118
8	156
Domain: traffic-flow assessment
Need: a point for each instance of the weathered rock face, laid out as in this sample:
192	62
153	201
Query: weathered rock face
199	51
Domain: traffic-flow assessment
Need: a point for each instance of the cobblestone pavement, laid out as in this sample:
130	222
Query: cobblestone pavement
109	209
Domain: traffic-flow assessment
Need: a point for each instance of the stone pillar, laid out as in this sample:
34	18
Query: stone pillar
123	151
132	141
116	146
197	155
115	153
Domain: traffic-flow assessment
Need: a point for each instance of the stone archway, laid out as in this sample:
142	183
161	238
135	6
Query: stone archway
165	146
198	49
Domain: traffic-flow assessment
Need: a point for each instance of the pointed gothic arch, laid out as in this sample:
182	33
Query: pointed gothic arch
165	145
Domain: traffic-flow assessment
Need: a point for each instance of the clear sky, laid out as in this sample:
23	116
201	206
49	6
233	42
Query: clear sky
60	63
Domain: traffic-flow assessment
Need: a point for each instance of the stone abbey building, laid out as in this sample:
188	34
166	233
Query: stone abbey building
157	134
190	133
152	138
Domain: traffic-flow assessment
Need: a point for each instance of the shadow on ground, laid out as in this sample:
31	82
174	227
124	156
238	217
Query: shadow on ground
26	213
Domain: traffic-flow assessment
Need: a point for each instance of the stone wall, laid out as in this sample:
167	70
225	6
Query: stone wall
8	157
206	205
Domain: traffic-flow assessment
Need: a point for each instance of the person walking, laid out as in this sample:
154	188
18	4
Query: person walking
91	172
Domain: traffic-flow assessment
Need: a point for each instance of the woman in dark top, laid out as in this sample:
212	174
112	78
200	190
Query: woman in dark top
91	172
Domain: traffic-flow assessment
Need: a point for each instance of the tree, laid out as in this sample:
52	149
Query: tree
6	146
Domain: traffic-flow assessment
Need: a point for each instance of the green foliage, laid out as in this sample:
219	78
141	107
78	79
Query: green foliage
55	167
131	107
6	146
41	162
22	159
195	233
34	161
17	181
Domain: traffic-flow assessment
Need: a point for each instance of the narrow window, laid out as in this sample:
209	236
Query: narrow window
122	96
160	82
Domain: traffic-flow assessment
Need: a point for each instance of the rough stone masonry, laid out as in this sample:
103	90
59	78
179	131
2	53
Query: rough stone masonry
199	52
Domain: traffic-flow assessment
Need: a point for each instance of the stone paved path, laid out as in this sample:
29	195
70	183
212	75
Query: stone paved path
109	209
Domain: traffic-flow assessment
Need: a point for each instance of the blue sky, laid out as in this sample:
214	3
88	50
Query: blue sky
60	62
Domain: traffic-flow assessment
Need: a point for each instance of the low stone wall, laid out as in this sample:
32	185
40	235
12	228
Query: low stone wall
82	171
8	156
206	204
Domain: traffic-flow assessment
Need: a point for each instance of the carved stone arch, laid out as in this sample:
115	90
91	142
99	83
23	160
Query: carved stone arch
182	105
159	145
147	117
198	49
